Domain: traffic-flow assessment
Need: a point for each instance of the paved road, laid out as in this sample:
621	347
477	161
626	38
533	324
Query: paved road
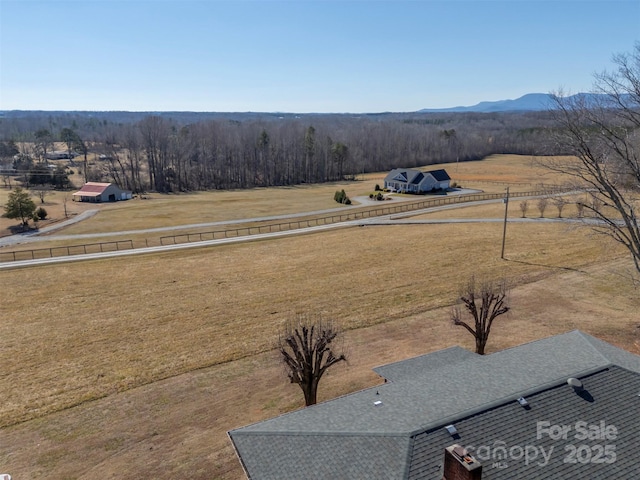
34	234
37	235
383	220
168	248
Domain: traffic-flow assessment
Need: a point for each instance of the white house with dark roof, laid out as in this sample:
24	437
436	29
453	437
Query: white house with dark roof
98	192
408	180
564	407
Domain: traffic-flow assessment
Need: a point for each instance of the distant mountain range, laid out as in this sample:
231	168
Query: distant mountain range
530	102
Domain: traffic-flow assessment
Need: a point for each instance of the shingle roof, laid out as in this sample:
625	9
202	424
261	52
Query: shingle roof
612	398
417	178
405	175
440	175
320	457
423	364
422	393
413	176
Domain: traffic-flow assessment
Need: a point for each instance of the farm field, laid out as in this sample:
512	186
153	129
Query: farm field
202	207
185	209
136	367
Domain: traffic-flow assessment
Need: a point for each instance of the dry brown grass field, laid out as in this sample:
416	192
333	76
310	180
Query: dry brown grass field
136	367
185	209
202	207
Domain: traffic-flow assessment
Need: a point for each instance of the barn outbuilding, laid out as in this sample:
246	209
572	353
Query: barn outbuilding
97	192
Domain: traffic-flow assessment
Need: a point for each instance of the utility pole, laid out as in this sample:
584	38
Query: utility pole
504	230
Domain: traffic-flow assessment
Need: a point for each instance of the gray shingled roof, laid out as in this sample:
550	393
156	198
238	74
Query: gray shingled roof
414	176
318	456
612	398
420	394
440	175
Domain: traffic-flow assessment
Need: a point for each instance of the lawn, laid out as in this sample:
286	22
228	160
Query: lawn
203	207
136	367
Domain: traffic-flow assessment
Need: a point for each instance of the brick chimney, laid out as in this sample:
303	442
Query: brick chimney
460	465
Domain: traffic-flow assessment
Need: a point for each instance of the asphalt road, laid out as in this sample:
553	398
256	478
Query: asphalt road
382	220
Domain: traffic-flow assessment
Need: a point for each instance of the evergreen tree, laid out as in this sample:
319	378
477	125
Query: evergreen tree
19	205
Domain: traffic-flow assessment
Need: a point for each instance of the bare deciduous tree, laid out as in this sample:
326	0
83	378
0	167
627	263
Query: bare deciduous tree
559	203
42	191
484	302
43	143
580	208
524	206
306	350
605	137
542	205
65	199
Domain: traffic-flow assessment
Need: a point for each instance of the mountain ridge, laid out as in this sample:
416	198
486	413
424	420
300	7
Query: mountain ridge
530	102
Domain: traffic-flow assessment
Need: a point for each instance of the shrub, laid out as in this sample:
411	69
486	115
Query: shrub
377	188
341	197
41	213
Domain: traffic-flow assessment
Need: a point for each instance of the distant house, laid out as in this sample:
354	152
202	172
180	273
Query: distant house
565	407
60	155
100	192
408	180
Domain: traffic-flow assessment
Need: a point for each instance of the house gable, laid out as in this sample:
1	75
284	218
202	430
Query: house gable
401	177
416	181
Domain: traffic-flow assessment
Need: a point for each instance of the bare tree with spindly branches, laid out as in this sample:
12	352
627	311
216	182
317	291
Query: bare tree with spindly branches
306	348
604	134
542	205
524	206
484	302
559	203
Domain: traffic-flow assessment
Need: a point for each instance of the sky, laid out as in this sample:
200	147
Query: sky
302	56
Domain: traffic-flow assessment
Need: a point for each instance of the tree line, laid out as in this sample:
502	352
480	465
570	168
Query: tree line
165	154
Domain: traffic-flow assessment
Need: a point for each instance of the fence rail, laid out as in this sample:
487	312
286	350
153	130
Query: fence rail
351	215
66	251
